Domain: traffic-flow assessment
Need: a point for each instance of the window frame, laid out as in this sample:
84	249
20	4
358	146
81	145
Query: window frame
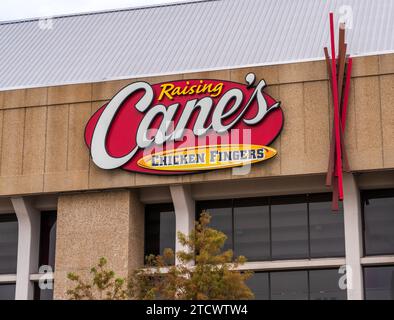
155	208
364	196
366	266
269	201
10	217
9	278
44	242
308	271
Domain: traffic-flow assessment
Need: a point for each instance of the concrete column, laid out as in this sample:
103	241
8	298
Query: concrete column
353	237
106	224
184	211
28	247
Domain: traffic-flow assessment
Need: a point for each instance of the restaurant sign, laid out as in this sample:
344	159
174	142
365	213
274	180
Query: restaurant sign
185	126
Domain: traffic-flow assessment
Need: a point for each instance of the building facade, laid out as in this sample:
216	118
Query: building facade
59	209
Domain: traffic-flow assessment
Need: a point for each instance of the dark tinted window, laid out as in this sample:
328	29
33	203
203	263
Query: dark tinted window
8	243
7	291
252	230
378	222
297	285
275	228
48	239
42	294
324	285
221	218
159	229
327	237
259	284
289	223
167	230
289	285
379	283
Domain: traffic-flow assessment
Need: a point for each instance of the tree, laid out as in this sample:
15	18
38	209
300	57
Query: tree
103	285
213	275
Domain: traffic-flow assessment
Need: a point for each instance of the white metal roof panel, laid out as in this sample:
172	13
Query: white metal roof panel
192	36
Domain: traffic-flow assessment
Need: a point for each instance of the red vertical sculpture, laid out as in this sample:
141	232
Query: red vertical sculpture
339	69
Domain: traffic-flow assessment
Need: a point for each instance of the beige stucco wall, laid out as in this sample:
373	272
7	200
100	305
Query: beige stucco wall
41	130
92	225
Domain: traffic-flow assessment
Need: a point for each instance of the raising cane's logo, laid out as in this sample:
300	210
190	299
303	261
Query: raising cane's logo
185	126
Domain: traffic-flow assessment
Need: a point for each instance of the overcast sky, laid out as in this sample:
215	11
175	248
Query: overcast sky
21	9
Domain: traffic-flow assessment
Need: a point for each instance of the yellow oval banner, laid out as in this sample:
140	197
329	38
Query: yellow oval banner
207	157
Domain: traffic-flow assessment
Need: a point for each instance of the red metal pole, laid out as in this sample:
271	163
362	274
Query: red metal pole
346	93
336	111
